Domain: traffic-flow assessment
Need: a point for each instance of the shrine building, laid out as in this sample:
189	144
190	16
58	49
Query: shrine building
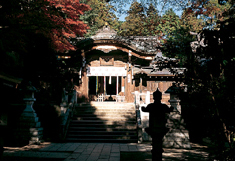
115	68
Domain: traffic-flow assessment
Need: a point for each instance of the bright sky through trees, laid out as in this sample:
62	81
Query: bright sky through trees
127	6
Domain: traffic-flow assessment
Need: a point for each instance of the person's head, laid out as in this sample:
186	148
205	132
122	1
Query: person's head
157	95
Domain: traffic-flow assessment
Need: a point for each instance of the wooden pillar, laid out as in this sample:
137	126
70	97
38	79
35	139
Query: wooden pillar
104	84
129	56
117	87
140	85
123	85
96	86
84	78
129	88
84	86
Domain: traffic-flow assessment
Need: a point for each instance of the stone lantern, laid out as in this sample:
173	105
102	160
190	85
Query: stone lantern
29	99
28	129
178	135
174	97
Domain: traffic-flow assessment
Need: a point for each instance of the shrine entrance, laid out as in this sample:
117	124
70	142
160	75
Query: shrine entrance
106	81
107	85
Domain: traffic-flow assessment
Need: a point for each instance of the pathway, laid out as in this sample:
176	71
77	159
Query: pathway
100	152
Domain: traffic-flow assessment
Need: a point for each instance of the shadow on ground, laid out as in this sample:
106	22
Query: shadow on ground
196	153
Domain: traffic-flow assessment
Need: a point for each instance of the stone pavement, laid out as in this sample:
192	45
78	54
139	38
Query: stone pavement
100	152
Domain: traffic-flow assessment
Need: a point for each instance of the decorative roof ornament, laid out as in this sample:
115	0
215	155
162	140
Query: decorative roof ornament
105	33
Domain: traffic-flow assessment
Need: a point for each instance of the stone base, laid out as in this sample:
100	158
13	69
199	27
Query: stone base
35	140
28	131
25	136
177	136
177	139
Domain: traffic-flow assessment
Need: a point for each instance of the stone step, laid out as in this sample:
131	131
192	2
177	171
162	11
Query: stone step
114	105
101	122
101	126
100	136
102	114
103	118
106	128
94	103
106	106
106	133
101	111
102	140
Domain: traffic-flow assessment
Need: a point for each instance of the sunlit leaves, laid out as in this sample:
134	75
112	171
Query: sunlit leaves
58	20
100	13
209	11
67	16
170	22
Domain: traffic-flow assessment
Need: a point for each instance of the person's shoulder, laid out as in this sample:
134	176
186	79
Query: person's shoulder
149	106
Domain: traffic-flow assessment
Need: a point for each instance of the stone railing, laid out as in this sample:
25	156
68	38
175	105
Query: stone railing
142	118
120	98
137	97
67	107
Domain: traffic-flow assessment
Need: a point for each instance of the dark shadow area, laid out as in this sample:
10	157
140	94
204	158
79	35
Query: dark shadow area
25	158
135	156
198	152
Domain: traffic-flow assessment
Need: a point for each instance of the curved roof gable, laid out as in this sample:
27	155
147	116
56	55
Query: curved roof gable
147	45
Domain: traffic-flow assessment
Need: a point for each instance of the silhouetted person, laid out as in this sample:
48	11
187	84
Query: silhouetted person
157	123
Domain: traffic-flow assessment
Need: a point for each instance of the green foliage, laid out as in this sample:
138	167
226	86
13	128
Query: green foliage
191	22
134	24
170	22
208	11
141	21
152	21
178	45
100	13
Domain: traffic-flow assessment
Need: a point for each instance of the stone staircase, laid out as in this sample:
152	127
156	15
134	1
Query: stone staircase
103	122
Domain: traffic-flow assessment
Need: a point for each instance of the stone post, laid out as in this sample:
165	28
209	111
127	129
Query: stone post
147	98
29	129
137	98
178	135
